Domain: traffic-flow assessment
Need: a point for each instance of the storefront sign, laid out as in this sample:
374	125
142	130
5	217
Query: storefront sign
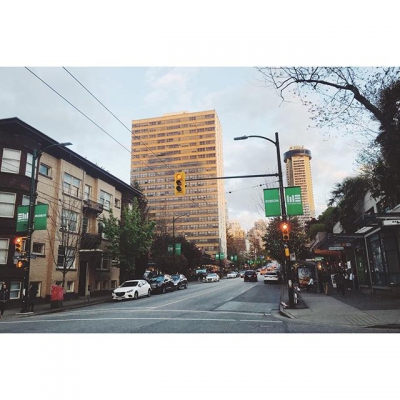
388	222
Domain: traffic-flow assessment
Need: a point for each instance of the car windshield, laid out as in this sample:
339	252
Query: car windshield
129	283
271	273
157	279
211	274
249	272
175	277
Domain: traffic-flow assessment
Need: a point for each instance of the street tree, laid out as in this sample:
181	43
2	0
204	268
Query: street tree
346	197
346	98
129	238
66	222
386	174
275	245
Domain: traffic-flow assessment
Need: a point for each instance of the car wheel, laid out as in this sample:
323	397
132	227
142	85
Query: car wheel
136	295
149	293
163	290
186	285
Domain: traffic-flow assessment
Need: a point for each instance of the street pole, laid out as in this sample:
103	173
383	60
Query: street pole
173	239
31	211
283	207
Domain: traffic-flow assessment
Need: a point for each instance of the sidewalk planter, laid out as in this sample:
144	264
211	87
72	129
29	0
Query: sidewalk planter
56	297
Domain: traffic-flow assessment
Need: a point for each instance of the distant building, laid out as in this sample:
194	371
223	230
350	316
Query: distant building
298	173
190	142
239	235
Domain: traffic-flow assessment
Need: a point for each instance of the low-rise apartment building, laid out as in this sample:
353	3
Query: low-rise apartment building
78	194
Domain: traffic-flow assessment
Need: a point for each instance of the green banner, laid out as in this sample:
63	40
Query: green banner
40	219
170	248
294	205
178	248
272	203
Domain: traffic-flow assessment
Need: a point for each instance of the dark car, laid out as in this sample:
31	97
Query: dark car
162	283
180	281
250	275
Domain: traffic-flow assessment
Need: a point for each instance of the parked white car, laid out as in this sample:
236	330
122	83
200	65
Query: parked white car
132	290
212	277
232	274
272	276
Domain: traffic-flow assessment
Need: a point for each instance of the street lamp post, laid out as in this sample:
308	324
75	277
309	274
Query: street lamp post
173	239
282	197
31	211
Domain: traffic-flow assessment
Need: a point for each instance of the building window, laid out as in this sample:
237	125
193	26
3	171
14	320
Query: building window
45	170
85	225
7	204
11	161
65	256
4	243
70	287
25	200
88	192
38	248
117	203
15	290
71	185
113	284
105	285
29	162
104	264
69	220
39	287
105	199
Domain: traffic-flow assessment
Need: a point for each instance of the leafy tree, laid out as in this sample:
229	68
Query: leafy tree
346	196
274	244
324	223
386	174
130	238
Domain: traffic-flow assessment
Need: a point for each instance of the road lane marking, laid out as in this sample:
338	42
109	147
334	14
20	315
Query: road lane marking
120	318
260	320
161	311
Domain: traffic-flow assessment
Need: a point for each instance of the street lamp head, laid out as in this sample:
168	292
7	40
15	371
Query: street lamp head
240	138
65	144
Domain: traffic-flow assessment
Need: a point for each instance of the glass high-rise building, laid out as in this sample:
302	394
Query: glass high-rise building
298	173
190	142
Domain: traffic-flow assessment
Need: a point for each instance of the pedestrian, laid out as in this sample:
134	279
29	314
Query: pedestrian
325	279
341	283
4	297
33	291
310	284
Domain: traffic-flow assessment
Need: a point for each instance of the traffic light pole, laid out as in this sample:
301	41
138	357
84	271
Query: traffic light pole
289	277
31	211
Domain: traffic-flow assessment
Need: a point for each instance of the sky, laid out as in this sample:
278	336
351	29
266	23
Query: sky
243	103
190	55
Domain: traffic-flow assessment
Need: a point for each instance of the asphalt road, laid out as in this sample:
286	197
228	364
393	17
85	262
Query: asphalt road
228	306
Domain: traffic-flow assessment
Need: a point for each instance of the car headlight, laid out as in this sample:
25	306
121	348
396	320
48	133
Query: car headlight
129	291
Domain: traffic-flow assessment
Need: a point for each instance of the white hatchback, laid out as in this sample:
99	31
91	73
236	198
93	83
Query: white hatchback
272	276
212	277
132	290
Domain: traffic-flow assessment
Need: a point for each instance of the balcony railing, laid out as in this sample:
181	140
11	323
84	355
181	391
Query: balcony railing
92	207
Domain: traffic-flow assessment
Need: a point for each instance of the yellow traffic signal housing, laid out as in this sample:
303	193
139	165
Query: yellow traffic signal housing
179	184
285	232
18	245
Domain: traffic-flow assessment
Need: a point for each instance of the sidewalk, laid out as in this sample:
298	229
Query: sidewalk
354	309
14	311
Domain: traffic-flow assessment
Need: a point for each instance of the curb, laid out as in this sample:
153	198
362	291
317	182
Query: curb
62	309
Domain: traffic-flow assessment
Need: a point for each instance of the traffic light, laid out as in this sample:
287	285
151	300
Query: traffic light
18	245
20	264
285	232
179	183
